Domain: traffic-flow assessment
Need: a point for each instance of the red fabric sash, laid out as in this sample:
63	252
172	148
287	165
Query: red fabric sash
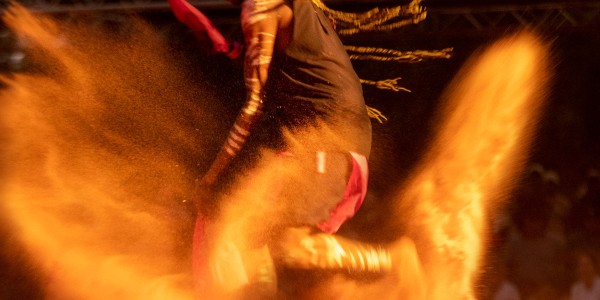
203	28
355	193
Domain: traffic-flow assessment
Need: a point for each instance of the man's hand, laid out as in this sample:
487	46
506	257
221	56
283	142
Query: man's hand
205	194
209	179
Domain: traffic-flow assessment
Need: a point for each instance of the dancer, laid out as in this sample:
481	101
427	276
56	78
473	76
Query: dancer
299	77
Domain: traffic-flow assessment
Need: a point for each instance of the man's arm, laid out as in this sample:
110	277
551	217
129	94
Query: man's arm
260	29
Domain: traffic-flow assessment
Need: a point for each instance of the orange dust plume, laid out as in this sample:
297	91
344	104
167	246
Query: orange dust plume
104	136
484	136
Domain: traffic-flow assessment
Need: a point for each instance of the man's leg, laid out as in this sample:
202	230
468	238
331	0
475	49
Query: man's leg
396	266
299	248
262	277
